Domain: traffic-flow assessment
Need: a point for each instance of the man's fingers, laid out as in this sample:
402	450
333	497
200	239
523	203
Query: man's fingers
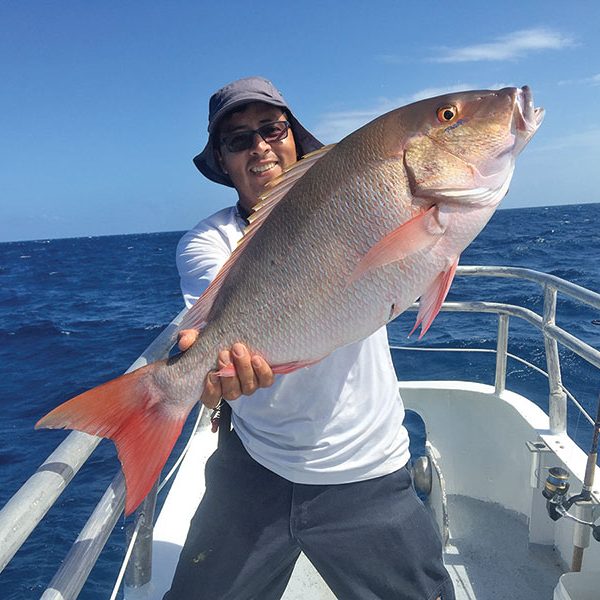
186	338
212	393
262	371
243	367
251	373
230	386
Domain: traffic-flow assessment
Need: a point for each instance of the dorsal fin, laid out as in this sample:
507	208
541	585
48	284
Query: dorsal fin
279	187
196	317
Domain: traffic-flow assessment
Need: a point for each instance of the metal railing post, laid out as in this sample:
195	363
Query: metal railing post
501	354
557	409
139	569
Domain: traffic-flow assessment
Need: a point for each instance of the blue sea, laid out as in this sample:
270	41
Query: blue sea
76	312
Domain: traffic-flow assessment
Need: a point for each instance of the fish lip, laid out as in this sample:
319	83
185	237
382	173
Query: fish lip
527	117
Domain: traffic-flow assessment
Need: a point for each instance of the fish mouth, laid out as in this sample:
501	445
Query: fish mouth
525	121
526	116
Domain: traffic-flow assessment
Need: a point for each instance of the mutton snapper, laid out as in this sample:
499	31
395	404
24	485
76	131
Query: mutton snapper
347	239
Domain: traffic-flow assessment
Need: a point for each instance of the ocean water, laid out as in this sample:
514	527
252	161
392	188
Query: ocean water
76	312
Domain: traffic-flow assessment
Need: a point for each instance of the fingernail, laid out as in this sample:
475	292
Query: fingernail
214	378
238	350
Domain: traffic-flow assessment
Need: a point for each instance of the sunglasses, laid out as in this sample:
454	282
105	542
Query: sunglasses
243	140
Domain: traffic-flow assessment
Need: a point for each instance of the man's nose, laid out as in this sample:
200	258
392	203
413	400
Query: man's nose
259	144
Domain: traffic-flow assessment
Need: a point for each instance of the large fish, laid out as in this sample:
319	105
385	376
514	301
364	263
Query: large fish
346	240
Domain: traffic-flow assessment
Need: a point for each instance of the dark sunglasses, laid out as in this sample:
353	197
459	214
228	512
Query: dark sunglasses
243	140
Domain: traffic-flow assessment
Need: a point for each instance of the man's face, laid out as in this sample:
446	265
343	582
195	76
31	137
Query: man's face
250	170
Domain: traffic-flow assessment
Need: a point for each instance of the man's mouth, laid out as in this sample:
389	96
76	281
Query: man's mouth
263	168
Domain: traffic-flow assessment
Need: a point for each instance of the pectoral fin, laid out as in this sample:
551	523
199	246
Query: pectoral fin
416	234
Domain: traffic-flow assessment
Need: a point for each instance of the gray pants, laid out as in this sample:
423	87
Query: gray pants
369	540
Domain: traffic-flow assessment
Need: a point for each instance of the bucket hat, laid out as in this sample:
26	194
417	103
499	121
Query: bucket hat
234	95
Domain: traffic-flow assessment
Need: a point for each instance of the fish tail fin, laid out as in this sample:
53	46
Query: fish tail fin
129	410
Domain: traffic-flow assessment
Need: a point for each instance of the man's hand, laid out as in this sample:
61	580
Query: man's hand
252	372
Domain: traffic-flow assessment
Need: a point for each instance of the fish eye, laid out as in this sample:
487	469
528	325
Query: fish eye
447	114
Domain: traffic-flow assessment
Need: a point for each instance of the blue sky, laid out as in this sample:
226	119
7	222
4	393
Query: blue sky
103	104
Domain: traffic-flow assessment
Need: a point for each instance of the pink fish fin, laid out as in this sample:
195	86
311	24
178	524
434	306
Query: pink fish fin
226	371
416	234
129	411
197	316
433	298
280	186
283	368
290	367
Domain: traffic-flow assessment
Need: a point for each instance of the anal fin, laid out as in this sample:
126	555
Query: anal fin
280	369
433	298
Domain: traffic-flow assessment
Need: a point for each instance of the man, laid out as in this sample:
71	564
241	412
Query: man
316	461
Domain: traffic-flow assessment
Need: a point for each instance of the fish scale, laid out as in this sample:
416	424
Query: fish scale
356	233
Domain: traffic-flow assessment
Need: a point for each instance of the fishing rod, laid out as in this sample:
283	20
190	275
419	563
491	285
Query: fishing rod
558	504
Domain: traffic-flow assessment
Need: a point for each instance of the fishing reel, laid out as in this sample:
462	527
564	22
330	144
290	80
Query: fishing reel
558	503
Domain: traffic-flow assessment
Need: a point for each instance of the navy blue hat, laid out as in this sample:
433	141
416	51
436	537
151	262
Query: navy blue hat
238	93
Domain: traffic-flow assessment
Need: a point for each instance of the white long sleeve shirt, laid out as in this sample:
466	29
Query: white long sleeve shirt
338	421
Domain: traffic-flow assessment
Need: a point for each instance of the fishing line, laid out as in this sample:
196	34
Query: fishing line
184	452
126	558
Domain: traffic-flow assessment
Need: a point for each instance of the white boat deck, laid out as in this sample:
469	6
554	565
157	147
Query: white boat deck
489	557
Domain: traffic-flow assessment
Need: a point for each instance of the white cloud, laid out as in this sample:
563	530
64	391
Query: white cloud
507	47
333	126
449	89
593	80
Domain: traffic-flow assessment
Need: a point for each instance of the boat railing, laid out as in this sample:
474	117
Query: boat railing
545	323
31	502
23	512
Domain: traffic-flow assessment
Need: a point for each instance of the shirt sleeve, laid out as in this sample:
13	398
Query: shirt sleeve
200	255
